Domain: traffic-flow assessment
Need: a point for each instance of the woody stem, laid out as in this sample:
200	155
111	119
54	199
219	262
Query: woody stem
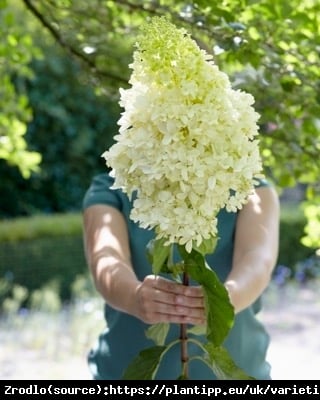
184	339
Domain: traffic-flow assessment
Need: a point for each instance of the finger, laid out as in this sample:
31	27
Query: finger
174	309
169	298
190	302
179	319
177	288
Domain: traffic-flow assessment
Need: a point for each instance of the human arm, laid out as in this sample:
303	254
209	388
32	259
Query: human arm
152	300
256	248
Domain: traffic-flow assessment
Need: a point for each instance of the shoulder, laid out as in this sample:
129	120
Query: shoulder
262	182
263	200
100	192
103	180
265	187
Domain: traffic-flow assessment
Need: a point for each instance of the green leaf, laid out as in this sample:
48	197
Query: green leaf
220	312
197	330
207	246
223	366
157	254
237	26
145	365
158	333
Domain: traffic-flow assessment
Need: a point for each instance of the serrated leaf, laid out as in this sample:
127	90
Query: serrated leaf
158	333
145	365
223	365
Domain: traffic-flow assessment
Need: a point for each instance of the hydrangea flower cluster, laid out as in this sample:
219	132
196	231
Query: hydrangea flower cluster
187	140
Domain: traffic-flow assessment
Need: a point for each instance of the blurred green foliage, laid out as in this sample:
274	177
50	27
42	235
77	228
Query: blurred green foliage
17	49
71	127
54	261
42	251
40	226
291	250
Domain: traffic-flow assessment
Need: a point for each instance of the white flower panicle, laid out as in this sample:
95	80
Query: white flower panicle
187	141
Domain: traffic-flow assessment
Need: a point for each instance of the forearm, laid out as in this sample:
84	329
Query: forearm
248	279
256	248
117	283
108	256
153	300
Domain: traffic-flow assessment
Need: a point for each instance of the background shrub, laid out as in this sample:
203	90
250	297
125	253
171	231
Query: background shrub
42	251
291	231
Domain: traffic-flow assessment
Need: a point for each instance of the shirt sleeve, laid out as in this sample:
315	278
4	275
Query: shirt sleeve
262	183
100	192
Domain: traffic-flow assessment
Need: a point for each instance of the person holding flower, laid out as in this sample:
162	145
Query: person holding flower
185	170
115	246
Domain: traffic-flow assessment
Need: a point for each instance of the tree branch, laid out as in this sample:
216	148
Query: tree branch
74	52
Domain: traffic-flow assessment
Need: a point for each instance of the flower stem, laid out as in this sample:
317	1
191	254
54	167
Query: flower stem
184	339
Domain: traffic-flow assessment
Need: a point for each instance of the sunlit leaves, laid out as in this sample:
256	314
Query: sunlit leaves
279	38
312	228
16	51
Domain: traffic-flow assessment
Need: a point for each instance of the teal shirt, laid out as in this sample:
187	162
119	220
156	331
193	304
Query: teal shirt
124	335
